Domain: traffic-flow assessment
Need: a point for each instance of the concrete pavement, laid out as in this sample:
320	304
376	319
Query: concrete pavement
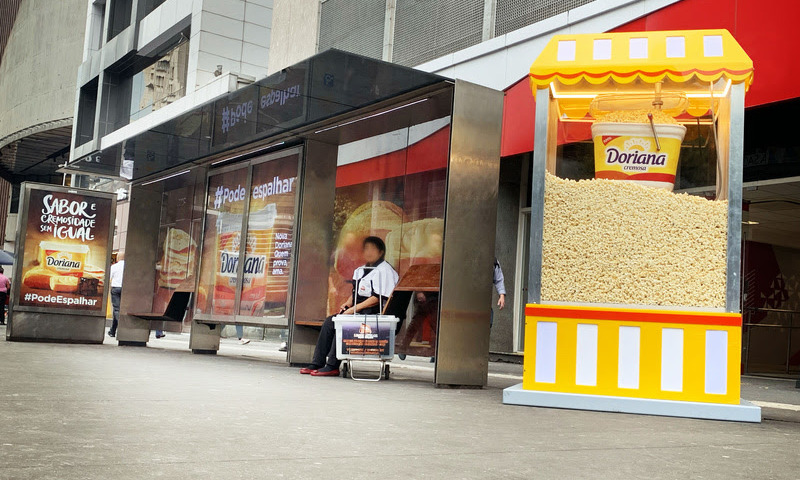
77	411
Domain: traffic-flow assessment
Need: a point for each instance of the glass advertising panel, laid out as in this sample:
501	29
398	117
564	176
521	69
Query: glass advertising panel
219	273
180	227
398	196
66	241
270	238
257	289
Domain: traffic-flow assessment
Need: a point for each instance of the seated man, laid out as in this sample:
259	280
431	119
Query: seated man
373	284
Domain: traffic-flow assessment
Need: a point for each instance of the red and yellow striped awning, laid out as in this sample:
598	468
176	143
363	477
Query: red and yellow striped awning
678	56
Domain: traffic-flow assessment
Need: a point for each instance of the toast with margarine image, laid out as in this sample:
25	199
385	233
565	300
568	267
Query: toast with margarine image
177	262
63	269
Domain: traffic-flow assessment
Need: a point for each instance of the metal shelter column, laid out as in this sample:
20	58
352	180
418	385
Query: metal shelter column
462	350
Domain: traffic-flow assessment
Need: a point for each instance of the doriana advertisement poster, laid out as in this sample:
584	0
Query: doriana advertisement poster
66	241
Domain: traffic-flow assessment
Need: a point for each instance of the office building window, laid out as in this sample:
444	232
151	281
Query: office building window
87	105
119	17
160	83
147	6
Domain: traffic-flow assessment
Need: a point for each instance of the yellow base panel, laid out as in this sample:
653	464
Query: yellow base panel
693	389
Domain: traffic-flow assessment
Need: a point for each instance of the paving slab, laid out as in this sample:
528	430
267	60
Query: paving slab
103	411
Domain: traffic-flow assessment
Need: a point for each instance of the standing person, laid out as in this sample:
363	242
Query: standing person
5	288
116	291
284	336
500	286
240	334
373	284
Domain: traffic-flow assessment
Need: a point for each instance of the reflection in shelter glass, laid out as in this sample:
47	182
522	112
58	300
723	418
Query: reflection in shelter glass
180	228
398	196
227	194
270	238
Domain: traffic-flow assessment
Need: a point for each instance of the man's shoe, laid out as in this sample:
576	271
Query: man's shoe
244	341
284	347
309	369
161	336
326	371
112	335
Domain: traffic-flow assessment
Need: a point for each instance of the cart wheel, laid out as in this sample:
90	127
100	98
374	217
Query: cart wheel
345	368
386	372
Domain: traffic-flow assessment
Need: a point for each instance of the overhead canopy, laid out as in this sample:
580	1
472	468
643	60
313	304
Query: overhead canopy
279	110
700	63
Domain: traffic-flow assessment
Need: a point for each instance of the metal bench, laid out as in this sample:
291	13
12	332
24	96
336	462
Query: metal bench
175	311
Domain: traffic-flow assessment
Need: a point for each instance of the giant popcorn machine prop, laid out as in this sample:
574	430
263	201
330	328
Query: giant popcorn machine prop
634	273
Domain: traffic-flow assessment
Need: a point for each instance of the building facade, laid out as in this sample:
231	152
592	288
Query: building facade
146	62
37	77
494	42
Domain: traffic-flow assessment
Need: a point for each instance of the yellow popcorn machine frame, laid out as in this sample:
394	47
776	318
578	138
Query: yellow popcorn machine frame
675	361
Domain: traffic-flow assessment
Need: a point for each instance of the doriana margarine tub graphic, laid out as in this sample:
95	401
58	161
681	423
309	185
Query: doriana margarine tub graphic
637	139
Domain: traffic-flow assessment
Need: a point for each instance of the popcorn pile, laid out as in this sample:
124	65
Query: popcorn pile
608	241
635	116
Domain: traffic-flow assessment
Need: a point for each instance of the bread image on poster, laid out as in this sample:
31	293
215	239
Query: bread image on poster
376	218
44	278
38	277
64	284
177	263
418	242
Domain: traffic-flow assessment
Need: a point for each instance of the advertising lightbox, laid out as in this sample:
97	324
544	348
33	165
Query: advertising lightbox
65	243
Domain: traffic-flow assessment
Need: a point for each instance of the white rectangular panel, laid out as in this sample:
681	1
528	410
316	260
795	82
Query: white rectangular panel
712	45
637	48
602	49
628	367
566	50
545	352
717	361
676	47
586	355
672	359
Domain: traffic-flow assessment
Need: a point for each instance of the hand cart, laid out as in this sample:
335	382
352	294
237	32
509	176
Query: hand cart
362	337
368	338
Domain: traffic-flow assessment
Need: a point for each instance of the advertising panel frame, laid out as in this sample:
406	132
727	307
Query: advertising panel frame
249	164
22	232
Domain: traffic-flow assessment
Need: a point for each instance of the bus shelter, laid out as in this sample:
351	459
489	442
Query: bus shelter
253	207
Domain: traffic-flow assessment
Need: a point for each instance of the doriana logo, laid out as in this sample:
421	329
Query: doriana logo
254	265
637	154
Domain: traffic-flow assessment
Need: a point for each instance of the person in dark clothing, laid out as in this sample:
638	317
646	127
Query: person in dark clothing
372	283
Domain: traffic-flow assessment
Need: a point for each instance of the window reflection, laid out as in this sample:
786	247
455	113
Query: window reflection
399	196
161	83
